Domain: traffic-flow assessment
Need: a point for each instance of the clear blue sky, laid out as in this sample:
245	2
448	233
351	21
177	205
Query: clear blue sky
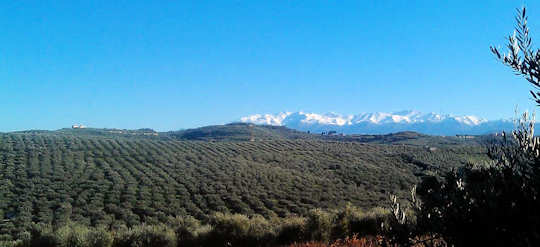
177	64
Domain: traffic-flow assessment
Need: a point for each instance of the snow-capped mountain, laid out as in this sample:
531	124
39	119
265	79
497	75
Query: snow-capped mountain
383	123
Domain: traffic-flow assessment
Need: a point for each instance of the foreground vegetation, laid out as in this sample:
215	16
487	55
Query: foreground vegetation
485	204
220	230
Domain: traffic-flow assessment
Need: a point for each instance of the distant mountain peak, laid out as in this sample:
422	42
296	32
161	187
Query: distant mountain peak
332	118
382	122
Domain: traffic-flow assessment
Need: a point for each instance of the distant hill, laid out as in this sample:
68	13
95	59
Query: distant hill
253	132
238	132
109	132
100	132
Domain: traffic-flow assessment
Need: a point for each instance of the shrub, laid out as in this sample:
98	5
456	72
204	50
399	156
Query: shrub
260	230
367	223
353	220
229	228
40	235
72	235
189	231
494	204
353	241
224	229
146	236
240	230
290	230
99	237
8	243
5	237
319	225
402	227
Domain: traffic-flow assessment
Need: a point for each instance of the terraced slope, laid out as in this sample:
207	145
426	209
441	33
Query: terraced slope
98	180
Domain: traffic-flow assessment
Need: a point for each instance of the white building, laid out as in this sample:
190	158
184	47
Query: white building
78	126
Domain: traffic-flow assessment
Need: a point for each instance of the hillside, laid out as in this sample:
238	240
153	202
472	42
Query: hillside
112	180
252	132
238	132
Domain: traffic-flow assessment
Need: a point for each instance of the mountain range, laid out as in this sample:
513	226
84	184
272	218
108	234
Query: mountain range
384	123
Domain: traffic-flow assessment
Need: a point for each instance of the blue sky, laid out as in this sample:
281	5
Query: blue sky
169	65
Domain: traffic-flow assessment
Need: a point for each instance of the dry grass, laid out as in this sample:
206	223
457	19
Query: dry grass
353	241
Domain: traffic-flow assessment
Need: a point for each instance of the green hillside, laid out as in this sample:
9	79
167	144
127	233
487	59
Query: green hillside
239	132
251	132
95	178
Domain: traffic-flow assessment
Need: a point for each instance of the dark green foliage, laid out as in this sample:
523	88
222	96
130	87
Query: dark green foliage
68	235
240	230
495	207
99	237
146	236
115	182
239	132
221	230
189	231
494	204
487	204
39	235
319	225
352	220
291	229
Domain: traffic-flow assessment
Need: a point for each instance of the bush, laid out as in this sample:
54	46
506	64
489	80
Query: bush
353	241
319	225
99	237
291	230
224	229
229	228
146	236
352	220
240	230
189	231
366	223
40	235
260	230
72	235
493	204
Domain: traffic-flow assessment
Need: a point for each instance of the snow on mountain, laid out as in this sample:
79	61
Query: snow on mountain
381	122
341	120
267	119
